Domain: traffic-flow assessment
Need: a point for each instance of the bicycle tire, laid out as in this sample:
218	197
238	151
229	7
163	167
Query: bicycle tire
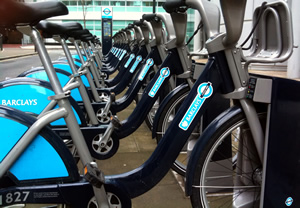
220	179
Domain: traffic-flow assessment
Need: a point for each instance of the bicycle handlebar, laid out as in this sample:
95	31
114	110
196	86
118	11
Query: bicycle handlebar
174	5
233	13
138	23
150	17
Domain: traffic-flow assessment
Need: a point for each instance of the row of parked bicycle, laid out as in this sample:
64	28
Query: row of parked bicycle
214	123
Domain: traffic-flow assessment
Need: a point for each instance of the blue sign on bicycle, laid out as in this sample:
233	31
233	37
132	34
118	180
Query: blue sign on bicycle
123	54
131	57
149	63
164	73
137	61
205	90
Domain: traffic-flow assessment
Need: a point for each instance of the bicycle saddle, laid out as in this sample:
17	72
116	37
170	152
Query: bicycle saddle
50	29
87	38
13	13
77	34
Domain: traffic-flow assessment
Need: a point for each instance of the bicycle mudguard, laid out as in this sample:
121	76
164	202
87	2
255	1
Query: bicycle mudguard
45	159
31	95
65	61
201	142
77	58
44	173
63	77
164	103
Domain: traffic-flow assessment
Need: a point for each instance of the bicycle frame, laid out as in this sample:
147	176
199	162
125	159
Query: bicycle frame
142	179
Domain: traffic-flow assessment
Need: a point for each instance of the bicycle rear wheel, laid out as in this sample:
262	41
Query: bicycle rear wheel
228	172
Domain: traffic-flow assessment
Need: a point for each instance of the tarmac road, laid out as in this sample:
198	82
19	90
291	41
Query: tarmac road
15	66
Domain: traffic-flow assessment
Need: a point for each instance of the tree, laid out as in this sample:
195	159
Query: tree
84	12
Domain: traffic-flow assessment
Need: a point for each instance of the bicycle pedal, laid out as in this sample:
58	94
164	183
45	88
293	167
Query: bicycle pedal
113	97
93	175
116	122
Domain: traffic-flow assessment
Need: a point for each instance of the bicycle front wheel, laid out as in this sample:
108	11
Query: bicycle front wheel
228	171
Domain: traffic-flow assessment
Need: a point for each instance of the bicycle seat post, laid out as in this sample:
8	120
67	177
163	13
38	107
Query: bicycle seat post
86	70
44	57
82	90
97	55
93	69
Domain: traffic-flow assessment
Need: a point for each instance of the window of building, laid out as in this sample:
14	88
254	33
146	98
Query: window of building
117	3
148	3
133	3
103	3
84	2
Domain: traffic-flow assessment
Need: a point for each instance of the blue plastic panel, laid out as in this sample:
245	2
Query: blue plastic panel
63	79
61	122
10	135
39	161
67	68
27	98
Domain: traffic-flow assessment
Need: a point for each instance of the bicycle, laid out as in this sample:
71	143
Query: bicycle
229	165
140	180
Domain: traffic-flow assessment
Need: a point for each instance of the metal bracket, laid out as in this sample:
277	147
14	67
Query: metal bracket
78	74
185	75
197	70
236	94
93	175
60	96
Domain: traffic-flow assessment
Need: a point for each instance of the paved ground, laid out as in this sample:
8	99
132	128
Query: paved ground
133	151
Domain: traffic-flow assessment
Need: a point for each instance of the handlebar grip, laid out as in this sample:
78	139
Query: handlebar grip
149	17
172	5
130	26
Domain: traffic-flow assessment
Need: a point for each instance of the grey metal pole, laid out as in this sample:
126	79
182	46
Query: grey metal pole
293	71
154	6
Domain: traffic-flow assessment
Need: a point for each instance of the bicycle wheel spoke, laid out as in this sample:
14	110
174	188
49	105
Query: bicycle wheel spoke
229	171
